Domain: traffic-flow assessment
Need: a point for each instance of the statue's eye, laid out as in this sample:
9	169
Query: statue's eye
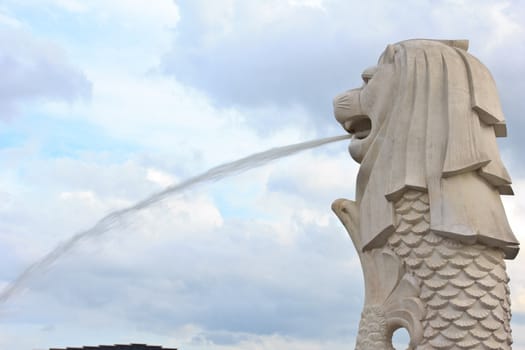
368	74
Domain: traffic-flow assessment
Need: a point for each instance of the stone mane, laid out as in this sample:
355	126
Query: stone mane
441	122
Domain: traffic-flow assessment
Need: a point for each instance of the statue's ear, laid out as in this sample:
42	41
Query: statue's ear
484	94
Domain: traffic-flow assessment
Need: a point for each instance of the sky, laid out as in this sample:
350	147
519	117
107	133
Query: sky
104	102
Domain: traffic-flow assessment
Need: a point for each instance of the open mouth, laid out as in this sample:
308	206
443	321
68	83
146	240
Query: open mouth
359	126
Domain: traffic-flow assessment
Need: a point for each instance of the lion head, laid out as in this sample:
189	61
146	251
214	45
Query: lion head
427	118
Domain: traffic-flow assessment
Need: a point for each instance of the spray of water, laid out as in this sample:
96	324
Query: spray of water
113	219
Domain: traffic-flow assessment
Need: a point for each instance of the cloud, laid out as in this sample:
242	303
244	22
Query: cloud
34	69
317	175
258	54
515	209
183	261
277	53
226	280
123	13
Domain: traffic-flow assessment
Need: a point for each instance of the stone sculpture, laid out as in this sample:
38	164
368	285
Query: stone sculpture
428	223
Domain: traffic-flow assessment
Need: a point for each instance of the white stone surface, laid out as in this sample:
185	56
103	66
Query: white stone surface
428	222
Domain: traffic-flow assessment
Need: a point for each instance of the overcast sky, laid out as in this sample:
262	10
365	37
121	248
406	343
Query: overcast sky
105	102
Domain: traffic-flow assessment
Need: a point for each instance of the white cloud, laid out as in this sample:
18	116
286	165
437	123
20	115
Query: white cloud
34	69
313	51
197	339
318	4
182	261
158	13
515	209
7	19
70	5
160	178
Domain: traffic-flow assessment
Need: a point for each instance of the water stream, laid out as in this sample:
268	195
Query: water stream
113	219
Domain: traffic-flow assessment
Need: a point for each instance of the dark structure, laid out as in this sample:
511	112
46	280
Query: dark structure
119	347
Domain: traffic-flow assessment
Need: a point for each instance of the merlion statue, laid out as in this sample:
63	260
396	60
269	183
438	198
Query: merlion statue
428	222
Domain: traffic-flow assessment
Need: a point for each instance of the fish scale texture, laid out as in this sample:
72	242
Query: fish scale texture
373	330
464	287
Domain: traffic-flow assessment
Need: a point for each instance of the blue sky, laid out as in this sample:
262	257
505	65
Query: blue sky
105	102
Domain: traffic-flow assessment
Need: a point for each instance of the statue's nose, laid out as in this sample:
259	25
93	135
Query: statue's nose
347	105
